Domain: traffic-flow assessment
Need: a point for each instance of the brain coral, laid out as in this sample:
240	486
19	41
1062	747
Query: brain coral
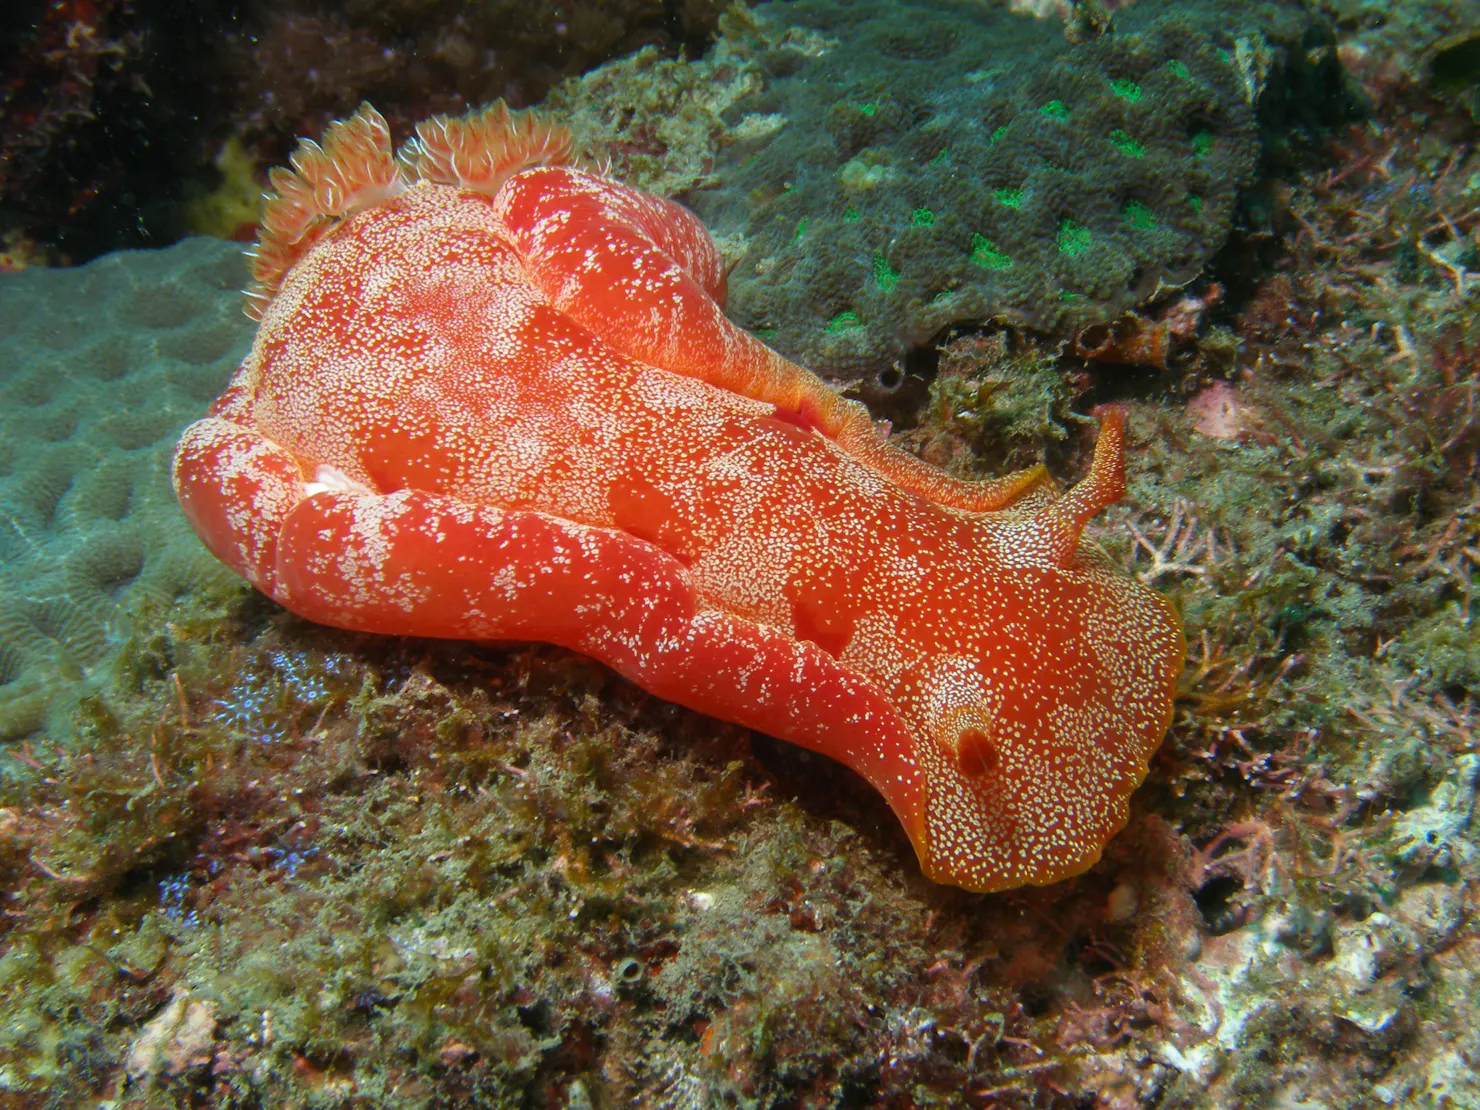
943	162
100	368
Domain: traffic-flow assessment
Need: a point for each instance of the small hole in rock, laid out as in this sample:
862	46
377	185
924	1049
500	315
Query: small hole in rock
628	970
1094	337
1215	900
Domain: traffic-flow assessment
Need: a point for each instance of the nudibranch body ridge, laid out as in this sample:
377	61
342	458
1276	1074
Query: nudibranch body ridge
494	396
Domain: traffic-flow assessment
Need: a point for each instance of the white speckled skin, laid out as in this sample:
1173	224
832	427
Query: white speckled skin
524	416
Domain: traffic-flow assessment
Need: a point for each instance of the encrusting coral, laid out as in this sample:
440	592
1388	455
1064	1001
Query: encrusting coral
907	165
100	367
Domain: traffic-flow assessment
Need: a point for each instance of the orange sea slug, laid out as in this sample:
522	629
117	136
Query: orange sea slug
493	396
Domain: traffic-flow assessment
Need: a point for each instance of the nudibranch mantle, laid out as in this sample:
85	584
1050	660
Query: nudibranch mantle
493	396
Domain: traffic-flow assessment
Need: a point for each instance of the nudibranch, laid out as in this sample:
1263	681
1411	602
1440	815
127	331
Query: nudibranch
493	395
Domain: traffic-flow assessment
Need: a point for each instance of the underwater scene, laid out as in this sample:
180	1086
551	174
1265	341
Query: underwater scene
680	554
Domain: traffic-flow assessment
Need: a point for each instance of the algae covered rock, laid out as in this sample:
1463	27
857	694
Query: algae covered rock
932	162
178	1040
100	368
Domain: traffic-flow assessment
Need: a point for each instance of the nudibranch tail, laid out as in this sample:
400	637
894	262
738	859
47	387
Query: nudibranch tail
1102	487
1049	536
1105	483
353	169
483	149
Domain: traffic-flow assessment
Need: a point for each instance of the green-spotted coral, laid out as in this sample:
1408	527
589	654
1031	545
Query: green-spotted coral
974	149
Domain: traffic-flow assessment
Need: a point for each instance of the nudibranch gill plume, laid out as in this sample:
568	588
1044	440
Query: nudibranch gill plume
493	396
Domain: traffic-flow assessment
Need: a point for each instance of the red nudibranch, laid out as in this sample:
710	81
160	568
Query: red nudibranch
494	396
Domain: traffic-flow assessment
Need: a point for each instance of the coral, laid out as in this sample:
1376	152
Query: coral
99	369
933	164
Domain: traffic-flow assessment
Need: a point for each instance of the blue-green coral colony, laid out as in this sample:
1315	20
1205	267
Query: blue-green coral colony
1135	142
